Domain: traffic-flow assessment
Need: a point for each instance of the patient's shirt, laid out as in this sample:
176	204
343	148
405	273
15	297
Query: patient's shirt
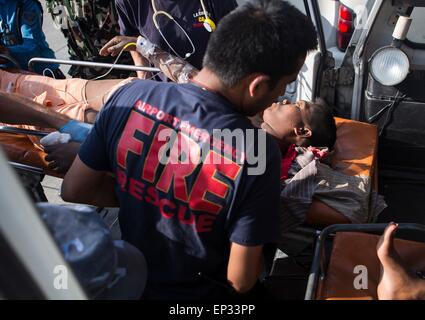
182	213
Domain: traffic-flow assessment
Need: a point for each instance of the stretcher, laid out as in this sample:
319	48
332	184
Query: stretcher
18	143
345	264
355	153
26	159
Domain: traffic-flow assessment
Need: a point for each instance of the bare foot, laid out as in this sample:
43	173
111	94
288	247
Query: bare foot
396	281
61	156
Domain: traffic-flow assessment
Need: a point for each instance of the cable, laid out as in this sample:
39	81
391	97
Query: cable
378	115
130	44
397	100
116	60
50	70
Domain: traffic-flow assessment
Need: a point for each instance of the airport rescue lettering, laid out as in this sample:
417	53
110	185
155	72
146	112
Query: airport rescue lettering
197	204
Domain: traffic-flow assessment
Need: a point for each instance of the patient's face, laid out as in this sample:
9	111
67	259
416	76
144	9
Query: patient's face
282	118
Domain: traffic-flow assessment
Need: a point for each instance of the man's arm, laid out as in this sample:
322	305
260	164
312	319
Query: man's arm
244	268
139	60
85	185
117	44
255	220
18	110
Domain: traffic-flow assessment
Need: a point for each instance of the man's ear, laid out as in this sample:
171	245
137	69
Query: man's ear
303	132
259	85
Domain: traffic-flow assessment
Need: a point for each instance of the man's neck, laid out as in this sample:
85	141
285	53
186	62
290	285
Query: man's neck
211	82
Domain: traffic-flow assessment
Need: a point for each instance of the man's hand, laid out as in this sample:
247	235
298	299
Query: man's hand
396	281
116	44
61	156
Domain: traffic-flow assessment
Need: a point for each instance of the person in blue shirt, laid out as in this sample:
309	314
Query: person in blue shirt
182	28
188	199
22	37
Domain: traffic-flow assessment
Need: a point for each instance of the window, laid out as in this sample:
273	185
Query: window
416	34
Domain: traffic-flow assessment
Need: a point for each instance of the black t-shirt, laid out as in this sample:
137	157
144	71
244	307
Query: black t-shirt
183	212
135	18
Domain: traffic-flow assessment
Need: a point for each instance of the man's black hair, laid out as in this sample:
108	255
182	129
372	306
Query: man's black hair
322	124
265	36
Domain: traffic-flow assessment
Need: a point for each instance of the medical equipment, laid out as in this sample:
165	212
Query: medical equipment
209	25
54	138
177	69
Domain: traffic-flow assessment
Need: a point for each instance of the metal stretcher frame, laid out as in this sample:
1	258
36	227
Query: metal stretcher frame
14	130
318	269
36	173
37	133
91	64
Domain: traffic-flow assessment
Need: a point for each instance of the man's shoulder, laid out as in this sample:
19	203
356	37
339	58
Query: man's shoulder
33	4
223	7
226	4
150	84
137	88
126	3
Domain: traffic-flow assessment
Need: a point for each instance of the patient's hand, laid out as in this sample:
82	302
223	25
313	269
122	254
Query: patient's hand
61	156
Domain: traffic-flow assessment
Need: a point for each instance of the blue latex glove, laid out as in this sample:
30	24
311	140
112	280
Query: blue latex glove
78	130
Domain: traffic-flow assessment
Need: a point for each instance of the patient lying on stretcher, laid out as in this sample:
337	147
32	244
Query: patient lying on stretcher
81	100
301	124
59	101
76	99
294	125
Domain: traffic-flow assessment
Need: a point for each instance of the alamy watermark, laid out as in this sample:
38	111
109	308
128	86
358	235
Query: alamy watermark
223	146
60	281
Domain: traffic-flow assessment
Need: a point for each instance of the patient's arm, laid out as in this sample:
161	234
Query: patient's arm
18	110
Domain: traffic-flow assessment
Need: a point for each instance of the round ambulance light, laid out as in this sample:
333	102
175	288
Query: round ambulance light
389	66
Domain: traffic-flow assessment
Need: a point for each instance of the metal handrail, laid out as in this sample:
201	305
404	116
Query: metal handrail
317	271
91	64
15	130
27	168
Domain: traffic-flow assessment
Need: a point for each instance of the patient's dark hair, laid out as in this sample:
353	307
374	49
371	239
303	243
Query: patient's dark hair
321	121
265	36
